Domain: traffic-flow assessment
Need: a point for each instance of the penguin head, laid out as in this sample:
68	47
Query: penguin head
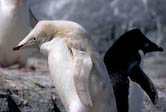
146	45
138	41
45	31
41	33
151	47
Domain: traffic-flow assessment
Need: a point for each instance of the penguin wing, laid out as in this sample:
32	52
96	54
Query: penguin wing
82	68
33	19
138	76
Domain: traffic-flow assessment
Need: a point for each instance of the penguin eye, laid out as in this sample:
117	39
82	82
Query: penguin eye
146	44
34	39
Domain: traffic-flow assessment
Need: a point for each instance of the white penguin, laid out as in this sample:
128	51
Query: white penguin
79	75
14	26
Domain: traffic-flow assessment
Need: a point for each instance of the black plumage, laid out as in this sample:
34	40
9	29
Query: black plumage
122	61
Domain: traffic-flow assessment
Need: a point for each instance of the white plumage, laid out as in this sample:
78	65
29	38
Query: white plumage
79	75
136	96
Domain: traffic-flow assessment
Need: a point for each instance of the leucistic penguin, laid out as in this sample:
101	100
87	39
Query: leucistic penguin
14	26
122	61
79	74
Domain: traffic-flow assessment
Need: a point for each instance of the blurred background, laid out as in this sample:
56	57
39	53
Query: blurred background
105	20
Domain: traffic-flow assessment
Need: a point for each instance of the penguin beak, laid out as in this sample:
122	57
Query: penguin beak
20	45
160	49
17	47
152	48
157	49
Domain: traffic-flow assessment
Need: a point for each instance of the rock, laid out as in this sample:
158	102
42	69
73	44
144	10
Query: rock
29	101
33	91
30	91
8	104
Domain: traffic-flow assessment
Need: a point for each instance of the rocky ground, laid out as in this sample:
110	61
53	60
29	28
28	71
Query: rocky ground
33	91
30	90
156	68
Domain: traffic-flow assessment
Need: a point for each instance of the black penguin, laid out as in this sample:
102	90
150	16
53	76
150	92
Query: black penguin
122	61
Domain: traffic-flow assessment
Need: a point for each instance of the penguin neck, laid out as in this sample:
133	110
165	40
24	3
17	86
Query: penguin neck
44	48
51	45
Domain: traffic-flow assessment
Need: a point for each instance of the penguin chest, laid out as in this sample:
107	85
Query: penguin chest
61	69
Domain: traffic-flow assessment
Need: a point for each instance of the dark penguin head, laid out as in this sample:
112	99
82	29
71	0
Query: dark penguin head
128	44
126	47
136	40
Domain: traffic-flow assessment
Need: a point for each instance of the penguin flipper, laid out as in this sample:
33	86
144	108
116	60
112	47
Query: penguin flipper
138	76
82	68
